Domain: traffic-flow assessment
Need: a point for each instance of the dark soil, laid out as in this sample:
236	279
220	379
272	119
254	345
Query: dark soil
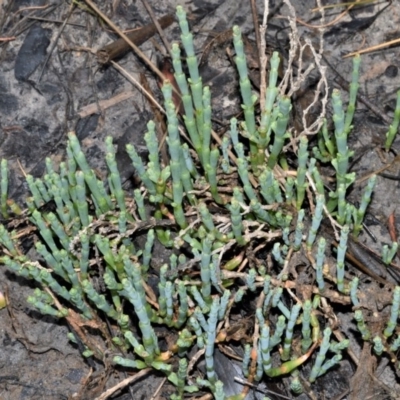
43	92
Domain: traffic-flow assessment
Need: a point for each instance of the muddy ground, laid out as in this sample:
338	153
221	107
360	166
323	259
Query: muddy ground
49	74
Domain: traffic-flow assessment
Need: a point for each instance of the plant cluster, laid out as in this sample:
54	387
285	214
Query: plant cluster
235	214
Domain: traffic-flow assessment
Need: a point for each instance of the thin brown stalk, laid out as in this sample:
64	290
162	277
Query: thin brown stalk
373	48
157	25
136	49
124	383
262	56
104	104
131	79
256	26
54	44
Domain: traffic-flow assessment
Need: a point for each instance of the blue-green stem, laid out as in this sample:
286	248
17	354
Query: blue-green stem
301	171
4	188
354	85
393	129
341	253
279	128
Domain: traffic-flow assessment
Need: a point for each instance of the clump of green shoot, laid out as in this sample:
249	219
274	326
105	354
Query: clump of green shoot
241	219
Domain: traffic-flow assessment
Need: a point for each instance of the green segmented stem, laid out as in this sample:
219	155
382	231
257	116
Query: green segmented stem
306	340
354	85
393	129
316	220
287	343
365	332
394	313
341	253
324	347
245	89
279	127
365	200
301	171
4	188
319	264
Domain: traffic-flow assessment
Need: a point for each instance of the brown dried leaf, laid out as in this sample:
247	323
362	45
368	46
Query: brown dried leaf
361	384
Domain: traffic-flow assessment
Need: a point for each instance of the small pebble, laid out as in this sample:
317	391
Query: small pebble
391	71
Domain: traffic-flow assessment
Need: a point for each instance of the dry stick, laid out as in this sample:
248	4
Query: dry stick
322	87
194	360
263	57
20	25
205	397
115	5
119	47
333	22
46	10
321	30
343	4
131	79
123	383
104	104
157	25
7	39
136	49
287	79
322	10
373	48
158	390
53	46
256	29
56	21
322	84
33	8
258	389
107	53
378	171
6	12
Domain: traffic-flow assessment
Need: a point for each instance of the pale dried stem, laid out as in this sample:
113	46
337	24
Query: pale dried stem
135	48
164	39
288	77
138	85
123	384
291	84
263	55
156	394
322	90
321	30
322	86
104	104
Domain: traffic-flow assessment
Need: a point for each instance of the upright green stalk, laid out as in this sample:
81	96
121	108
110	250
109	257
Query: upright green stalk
354	85
4	188
279	127
245	89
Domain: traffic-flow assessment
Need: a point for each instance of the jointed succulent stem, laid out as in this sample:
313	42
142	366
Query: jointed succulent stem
233	230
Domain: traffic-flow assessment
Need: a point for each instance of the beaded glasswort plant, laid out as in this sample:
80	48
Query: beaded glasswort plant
234	215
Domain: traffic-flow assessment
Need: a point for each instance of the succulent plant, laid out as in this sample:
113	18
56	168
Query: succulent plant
233	214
